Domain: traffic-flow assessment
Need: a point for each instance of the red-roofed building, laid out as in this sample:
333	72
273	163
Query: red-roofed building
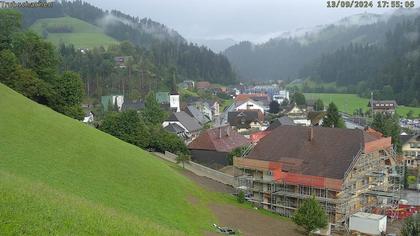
212	147
256	137
261	98
344	169
203	85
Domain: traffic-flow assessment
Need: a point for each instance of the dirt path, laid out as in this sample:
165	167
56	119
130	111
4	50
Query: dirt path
247	221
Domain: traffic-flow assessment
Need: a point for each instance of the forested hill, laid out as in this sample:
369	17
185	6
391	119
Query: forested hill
162	48
283	57
391	69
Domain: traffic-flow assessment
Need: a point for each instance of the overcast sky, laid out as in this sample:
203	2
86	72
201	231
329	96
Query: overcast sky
253	20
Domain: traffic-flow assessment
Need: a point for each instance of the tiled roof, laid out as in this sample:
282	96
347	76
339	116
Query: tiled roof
221	139
328	154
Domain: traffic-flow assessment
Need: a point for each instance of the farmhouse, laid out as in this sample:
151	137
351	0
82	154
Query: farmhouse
387	106
346	170
212	147
246	119
248	104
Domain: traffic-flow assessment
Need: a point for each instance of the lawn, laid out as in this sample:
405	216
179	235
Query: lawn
84	35
348	103
59	176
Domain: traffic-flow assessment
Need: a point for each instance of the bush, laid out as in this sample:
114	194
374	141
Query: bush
241	197
411	226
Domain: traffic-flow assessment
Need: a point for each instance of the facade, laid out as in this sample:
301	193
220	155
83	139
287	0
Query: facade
249	105
347	171
298	115
213	146
411	150
388	106
281	96
244	120
110	100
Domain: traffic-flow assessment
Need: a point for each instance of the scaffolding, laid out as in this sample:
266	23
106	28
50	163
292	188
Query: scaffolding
373	180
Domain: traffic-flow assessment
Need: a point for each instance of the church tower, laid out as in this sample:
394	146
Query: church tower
174	99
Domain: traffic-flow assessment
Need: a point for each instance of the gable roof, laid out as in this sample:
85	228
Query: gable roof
316	116
162	97
328	154
198	115
202	85
284	120
220	139
236	118
254	96
174	128
186	120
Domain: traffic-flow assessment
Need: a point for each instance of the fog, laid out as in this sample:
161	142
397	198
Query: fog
254	20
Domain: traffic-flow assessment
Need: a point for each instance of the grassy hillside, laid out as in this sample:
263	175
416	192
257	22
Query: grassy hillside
83	35
350	102
59	176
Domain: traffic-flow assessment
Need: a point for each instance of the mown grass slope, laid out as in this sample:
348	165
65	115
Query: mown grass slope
59	176
83	35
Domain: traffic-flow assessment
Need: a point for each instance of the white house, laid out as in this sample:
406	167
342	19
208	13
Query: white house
249	105
281	96
88	118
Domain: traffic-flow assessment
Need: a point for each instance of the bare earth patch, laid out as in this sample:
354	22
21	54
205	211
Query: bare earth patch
251	222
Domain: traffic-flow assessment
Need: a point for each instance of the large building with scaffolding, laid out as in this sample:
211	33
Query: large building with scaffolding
347	171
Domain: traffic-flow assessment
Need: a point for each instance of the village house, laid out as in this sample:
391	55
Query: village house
212	147
411	157
248	104
191	127
281	96
383	106
89	117
347	171
297	114
261	98
202	85
111	100
198	115
284	120
243	120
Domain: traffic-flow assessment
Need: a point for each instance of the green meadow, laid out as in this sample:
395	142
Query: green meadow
84	35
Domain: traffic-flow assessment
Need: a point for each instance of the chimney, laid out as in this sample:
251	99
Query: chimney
310	134
220	132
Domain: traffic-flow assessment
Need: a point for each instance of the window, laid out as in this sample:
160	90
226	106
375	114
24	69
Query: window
406	154
412	145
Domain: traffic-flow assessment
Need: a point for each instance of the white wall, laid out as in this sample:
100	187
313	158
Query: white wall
250	105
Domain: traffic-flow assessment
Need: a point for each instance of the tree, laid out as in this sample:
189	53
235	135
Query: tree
68	90
299	99
10	22
237	152
333	118
310	215
389	126
127	126
182	158
284	103
410	114
152	111
319	105
274	107
411	226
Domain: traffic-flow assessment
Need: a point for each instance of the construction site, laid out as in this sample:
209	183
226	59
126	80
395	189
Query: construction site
279	173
